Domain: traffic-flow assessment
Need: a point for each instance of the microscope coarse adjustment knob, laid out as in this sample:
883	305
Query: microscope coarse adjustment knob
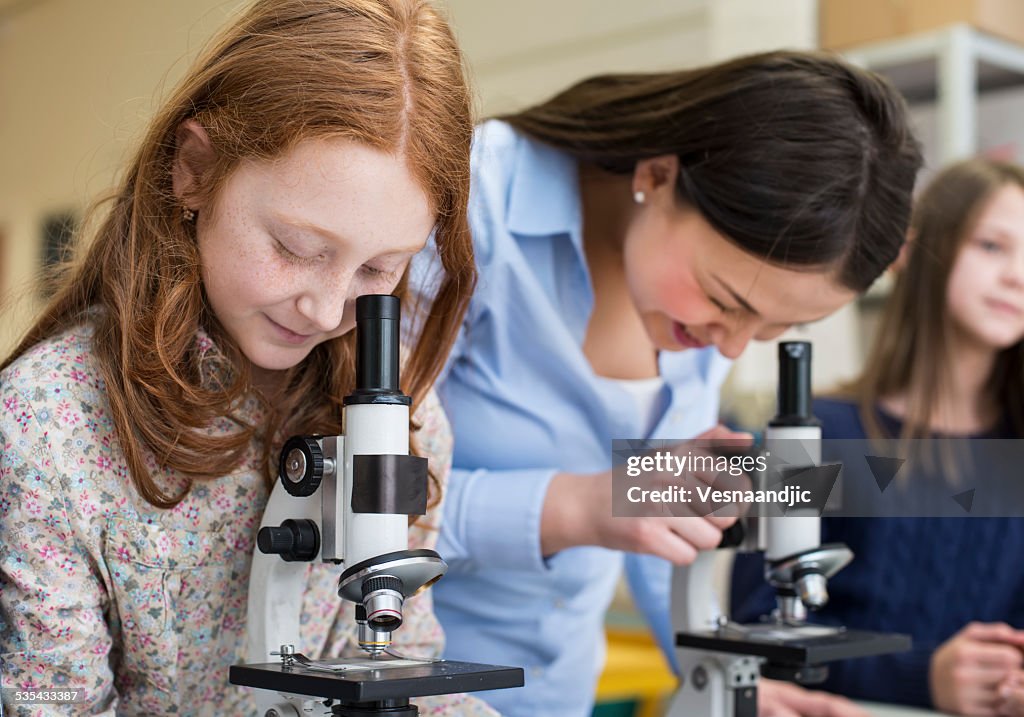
294	541
301	467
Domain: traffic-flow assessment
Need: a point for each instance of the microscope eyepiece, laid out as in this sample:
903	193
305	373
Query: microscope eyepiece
377	341
794	400
374	307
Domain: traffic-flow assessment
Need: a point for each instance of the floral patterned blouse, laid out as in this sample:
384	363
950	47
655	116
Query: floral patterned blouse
143	609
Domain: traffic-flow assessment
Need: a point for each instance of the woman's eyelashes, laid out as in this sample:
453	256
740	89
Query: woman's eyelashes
720	306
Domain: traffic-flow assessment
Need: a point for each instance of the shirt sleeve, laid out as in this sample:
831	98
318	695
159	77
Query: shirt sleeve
53	634
492	518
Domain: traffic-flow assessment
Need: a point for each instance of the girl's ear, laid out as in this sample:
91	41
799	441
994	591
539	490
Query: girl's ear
193	155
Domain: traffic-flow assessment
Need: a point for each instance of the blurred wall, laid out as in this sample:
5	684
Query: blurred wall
79	78
525	51
77	83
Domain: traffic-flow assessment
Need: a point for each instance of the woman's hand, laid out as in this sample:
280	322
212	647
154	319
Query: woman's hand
968	670
578	511
783	699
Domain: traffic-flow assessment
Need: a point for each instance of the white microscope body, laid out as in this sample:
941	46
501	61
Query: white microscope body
345	500
720	662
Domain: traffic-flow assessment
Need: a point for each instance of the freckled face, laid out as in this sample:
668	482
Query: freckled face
290	244
985	294
693	287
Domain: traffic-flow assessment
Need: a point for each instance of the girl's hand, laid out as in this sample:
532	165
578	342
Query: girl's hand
1011	694
967	671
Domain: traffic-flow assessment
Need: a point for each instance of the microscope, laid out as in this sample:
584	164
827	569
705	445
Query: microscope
720	661
346	500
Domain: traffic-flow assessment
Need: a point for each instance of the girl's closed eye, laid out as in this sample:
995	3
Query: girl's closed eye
292	256
379	273
988	246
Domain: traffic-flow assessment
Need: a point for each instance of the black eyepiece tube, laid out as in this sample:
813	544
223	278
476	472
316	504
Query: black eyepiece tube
377	337
794	385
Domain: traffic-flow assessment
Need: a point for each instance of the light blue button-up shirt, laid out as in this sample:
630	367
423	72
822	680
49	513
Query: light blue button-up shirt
524	405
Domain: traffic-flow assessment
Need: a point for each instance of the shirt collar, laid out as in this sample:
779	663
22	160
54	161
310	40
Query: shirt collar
544	197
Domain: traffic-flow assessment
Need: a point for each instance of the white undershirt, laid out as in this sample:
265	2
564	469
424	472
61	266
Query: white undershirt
646	394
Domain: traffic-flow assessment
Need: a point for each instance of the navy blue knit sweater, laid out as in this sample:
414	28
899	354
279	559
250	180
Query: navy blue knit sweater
926	577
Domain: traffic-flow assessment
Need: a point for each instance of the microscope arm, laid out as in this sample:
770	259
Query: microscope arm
711	684
694	602
276	588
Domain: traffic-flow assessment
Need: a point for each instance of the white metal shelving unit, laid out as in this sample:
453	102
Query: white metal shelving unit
950	66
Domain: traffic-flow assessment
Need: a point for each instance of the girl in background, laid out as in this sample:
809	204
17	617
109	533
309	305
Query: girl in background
948	360
301	162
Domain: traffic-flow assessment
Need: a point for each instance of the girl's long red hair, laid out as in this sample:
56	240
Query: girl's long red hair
387	73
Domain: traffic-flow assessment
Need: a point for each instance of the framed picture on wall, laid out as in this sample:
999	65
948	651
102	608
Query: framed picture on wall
5	261
58	231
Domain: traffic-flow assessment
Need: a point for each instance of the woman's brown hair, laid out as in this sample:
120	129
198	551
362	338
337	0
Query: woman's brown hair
911	354
386	73
798	158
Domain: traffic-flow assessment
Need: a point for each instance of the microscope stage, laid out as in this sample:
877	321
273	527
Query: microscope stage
797	646
365	682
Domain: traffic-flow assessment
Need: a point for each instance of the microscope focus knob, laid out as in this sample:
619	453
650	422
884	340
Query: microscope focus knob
295	540
813	590
301	467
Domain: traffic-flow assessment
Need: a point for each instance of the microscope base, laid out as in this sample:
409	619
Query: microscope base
377	691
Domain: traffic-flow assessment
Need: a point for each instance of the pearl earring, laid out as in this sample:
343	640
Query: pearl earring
188	214
639	197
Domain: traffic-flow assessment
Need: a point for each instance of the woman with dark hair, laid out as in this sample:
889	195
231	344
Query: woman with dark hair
632	234
302	161
948	360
